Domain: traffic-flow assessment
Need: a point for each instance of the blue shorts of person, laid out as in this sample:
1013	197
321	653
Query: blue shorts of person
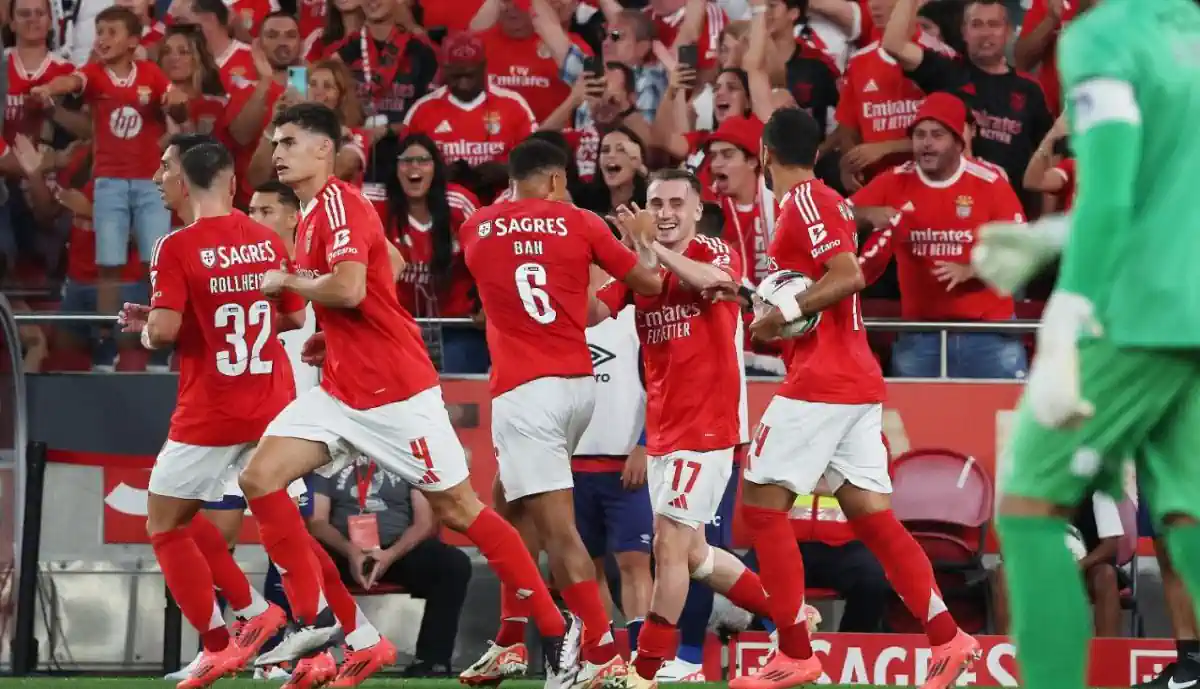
123	206
238	502
610	518
968	355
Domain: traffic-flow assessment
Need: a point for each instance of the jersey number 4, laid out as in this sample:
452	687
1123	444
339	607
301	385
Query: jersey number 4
531	278
236	318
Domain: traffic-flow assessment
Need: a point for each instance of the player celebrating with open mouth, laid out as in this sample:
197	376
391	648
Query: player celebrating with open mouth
826	421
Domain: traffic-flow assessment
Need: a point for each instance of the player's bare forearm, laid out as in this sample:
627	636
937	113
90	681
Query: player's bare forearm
842	279
344	288
1105	551
64	85
598	311
696	275
897	35
161	329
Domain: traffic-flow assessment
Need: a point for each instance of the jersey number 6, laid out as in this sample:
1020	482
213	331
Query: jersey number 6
237	318
531	278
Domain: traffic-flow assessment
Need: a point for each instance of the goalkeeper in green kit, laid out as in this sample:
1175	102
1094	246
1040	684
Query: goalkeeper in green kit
1117	370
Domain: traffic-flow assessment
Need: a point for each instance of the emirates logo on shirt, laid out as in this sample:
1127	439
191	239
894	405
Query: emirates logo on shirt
600	355
125	123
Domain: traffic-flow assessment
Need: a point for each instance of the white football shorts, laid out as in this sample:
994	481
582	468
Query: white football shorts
412	438
798	443
197	472
535	428
687	486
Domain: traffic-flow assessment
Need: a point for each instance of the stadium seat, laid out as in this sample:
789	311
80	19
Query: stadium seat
1127	556
945	499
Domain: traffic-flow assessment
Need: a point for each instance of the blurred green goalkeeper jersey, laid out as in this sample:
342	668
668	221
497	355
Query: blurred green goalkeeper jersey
1144	278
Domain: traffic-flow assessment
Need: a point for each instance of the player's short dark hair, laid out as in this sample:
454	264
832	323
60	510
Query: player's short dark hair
712	220
281	14
535	156
217	8
312	117
792	136
187	141
676	174
121	15
202	164
287	195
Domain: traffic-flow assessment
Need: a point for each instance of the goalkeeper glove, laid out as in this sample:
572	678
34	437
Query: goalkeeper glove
1053	386
1008	255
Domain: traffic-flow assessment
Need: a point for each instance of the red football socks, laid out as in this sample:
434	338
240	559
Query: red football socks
748	594
227	575
656	643
907	568
340	601
287	542
514	615
583	599
510	560
191	584
781	570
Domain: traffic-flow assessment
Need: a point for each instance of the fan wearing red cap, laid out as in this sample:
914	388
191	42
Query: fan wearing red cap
942	197
737	181
470	119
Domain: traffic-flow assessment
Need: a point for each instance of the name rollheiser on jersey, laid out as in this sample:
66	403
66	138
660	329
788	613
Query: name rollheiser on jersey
224	257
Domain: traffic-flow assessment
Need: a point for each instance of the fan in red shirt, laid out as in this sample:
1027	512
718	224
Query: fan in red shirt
876	105
1037	46
234	376
540	65
531	261
233	58
454	16
731	98
379	394
826	422
469	119
181	62
669	18
695	407
30	64
943	197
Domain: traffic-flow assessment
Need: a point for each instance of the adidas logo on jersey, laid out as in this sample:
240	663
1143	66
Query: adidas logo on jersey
871	86
443	128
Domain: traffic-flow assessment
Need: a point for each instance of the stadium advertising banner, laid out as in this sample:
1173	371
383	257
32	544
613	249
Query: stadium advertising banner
903	659
972	418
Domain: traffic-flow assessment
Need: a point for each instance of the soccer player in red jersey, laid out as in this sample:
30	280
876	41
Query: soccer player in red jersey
825	422
695	408
379	393
531	260
234	377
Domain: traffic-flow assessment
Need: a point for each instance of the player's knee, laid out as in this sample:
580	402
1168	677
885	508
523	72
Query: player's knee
702	560
456	507
1102	580
671	548
632	565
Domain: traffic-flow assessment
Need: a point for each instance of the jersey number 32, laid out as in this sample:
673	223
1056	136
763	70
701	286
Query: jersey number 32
237	319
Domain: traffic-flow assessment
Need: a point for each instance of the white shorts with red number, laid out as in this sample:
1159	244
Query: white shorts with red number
535	428
687	486
798	443
197	472
411	438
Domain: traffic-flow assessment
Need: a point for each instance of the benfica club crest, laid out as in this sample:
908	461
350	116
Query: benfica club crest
543	51
1017	101
962	206
143	95
491	122
208	257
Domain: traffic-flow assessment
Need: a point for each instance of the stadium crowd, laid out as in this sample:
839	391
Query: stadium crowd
433	95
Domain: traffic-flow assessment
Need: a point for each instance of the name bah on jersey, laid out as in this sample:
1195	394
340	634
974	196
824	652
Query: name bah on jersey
891	115
668	323
502	227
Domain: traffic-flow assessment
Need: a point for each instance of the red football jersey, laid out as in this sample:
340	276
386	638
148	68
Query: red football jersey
527	67
127	118
455	16
234	375
152	34
236	65
692	349
586	144
374	353
481	131
207	115
878	100
530	259
416	288
667	27
746	231
939	222
252	13
1066	169
21	115
1047	71
833	363
310	16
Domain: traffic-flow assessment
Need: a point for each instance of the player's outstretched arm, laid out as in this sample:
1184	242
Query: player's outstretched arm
344	288
397	261
699	276
162	327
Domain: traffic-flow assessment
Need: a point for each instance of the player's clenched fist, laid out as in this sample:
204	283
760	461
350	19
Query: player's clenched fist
132	317
768	325
313	351
274	282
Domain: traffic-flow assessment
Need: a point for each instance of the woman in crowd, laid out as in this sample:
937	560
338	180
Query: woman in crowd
342	18
424	215
185	59
621	174
330	84
31	63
